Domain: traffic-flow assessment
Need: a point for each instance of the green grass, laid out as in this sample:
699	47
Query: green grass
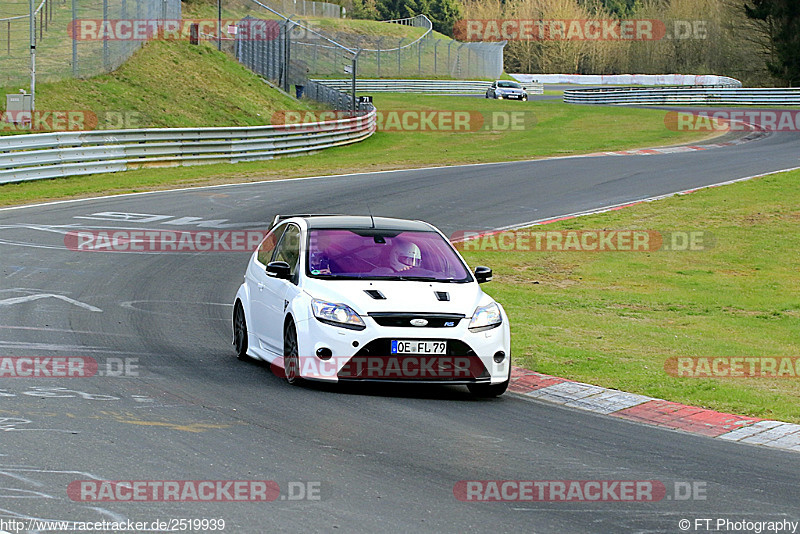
551	129
171	84
613	318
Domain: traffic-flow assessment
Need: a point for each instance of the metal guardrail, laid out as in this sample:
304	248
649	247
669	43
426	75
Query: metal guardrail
630	79
687	96
54	155
420	86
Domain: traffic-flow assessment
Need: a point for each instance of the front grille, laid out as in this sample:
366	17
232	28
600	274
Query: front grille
376	362
435	320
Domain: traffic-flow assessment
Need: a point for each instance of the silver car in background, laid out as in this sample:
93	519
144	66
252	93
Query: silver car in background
506	90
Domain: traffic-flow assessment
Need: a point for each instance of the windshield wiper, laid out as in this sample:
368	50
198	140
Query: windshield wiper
424	279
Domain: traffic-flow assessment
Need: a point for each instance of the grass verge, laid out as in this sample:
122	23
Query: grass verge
614	318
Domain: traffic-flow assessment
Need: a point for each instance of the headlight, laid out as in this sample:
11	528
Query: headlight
337	314
486	318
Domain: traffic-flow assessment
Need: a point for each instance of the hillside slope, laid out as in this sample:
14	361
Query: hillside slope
171	84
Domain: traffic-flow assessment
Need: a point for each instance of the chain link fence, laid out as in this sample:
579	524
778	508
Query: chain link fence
74	38
274	50
416	53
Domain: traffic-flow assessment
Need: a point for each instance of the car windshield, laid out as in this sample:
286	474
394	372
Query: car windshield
509	85
381	254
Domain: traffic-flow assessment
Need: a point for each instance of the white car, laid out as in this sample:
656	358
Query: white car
346	298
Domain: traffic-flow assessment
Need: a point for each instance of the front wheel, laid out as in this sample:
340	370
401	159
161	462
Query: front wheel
240	332
291	359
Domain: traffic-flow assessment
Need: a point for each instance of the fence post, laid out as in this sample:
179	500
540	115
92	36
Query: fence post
287	57
399	50
314	56
435	54
380	45
74	38
419	57
105	37
449	66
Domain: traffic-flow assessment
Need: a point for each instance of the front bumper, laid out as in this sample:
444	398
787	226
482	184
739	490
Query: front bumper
365	355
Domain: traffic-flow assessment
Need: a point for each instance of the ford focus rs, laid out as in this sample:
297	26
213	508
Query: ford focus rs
357	299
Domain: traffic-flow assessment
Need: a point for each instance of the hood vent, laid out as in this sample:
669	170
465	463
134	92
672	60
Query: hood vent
442	296
374	293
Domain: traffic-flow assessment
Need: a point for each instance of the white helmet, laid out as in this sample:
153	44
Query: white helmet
404	256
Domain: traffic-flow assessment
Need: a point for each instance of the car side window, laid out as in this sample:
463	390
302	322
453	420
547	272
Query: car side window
267	246
289	248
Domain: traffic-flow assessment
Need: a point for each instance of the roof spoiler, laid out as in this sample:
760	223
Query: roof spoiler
279	218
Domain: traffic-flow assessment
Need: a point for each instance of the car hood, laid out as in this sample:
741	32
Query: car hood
401	296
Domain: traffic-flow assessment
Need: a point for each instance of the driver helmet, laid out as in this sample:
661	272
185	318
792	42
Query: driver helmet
405	255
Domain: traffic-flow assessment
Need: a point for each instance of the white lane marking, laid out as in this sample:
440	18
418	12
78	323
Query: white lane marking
55	347
66	330
30	298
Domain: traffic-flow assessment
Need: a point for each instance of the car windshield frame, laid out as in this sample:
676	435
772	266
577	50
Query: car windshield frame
508	84
430	240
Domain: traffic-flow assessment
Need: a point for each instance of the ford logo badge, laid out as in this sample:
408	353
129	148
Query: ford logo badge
419	322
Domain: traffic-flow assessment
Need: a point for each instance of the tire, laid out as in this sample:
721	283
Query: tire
240	332
488	390
291	359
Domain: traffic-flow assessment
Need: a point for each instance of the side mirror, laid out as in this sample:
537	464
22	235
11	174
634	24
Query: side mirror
279	269
483	274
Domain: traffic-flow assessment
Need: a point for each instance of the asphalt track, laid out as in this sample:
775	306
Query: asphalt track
384	459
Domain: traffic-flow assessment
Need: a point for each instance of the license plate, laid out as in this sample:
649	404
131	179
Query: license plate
418	347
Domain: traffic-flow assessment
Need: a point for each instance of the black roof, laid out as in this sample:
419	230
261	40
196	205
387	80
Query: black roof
347	222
